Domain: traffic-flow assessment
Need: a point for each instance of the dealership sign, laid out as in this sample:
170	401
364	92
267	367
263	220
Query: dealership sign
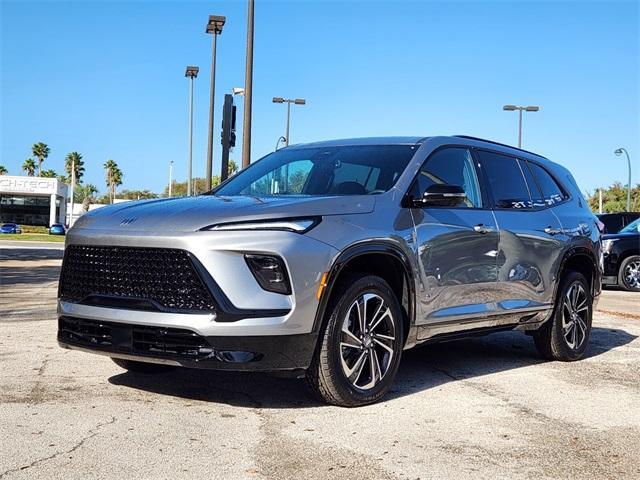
32	185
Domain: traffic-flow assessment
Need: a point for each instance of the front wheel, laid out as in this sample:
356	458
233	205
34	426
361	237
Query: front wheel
629	274
362	342
565	336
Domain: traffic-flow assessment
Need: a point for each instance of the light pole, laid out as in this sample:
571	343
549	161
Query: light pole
511	108
618	152
214	27
289	101
191	73
248	92
170	177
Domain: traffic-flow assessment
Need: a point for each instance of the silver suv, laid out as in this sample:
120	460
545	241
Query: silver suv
327	260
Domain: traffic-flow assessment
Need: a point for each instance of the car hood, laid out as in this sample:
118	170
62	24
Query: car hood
620	235
193	213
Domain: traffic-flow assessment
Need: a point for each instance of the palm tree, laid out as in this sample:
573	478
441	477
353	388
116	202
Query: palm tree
3	170
74	158
41	152
113	177
29	166
51	173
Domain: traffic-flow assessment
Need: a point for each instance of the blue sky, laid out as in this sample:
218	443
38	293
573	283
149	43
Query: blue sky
107	78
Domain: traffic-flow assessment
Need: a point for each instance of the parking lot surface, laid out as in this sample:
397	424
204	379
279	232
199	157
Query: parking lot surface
480	408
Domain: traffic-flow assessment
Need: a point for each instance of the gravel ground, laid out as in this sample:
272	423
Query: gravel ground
481	408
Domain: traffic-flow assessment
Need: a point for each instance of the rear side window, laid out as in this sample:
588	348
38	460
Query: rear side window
551	191
506	180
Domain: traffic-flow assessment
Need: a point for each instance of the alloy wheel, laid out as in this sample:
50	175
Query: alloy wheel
367	341
632	274
575	311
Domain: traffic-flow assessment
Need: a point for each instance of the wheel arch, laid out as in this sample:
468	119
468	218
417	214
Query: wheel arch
581	260
358	258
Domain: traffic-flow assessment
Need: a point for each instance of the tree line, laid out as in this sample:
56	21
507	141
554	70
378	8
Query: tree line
83	193
87	193
614	198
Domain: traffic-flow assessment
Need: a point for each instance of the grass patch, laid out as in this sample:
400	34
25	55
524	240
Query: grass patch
37	237
34	229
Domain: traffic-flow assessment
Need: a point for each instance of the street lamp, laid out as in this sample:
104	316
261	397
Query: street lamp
191	73
214	27
280	139
618	152
511	108
289	101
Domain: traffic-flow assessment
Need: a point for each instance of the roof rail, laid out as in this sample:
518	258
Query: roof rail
469	137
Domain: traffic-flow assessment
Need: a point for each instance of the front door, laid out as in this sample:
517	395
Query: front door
456	247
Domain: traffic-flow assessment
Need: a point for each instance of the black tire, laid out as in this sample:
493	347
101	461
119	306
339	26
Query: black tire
631	262
142	367
553	340
326	376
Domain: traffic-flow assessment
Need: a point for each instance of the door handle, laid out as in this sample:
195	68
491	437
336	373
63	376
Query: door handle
482	229
552	231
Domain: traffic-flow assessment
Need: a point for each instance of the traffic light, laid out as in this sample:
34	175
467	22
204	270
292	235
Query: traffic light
228	122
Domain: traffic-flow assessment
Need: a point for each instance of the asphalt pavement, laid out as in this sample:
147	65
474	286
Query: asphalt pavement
479	408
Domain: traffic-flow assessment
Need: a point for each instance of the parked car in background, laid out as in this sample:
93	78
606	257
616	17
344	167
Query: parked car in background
57	229
614	222
328	260
622	257
10	228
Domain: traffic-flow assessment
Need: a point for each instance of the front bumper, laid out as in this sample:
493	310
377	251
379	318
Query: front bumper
186	348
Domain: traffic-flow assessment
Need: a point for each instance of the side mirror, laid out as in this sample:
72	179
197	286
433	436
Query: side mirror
439	195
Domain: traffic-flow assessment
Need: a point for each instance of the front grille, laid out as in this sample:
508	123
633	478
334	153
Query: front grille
158	342
165	278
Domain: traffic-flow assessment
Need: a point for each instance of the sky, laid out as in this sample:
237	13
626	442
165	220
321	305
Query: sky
106	79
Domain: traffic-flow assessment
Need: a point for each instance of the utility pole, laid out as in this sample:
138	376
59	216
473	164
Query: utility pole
73	185
248	90
288	101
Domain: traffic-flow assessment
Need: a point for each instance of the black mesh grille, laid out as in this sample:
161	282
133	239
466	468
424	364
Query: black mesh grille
156	342
163	277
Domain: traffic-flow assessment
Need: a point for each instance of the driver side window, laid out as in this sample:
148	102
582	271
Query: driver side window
450	166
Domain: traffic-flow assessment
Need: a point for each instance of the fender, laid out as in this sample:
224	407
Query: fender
386	247
584	252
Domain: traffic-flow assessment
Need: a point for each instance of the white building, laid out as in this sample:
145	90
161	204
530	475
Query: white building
32	200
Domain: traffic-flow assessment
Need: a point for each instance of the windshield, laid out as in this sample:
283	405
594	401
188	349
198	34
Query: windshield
352	170
633	227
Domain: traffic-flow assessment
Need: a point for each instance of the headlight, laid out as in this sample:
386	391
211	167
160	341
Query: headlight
298	225
607	245
270	272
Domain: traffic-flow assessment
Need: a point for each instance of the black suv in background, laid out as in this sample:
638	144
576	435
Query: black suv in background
614	222
622	257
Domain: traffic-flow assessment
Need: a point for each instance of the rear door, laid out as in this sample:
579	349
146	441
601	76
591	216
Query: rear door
456	246
530	238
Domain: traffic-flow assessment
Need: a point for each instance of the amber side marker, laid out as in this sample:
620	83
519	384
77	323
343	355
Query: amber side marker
323	283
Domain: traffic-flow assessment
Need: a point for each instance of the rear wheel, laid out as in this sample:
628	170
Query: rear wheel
362	341
142	367
565	336
629	274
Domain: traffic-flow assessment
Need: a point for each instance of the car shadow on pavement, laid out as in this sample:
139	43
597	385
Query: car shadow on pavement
28	276
421	369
